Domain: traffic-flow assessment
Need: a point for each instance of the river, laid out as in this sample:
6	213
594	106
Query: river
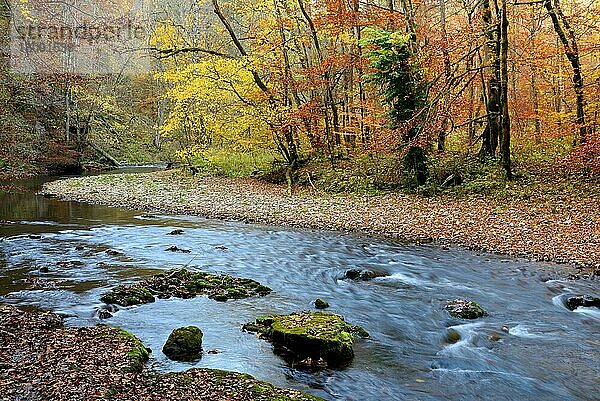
53	256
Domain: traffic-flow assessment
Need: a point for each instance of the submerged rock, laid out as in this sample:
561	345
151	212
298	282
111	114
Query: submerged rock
70	263
452	337
307	338
586	301
104	314
363	275
127	295
176	232
112	252
185	284
184	344
463	309
320	304
177	249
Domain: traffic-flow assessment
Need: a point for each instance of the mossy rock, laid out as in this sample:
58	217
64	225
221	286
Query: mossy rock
585	301
302	336
184	344
320	304
127	295
462	309
138	355
185	284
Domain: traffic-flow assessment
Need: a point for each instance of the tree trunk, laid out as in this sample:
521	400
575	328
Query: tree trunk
505	145
566	34
283	137
332	125
533	81
493	128
448	76
4	38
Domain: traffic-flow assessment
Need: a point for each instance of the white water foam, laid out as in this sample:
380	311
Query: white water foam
523	332
591	312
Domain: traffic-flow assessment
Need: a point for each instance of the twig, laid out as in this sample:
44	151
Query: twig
311	182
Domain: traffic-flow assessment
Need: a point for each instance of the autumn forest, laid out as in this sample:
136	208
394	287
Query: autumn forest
426	93
299	200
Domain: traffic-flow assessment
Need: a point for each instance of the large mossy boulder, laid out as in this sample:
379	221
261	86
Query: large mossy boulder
585	301
185	284
309	339
184	344
462	309
127	295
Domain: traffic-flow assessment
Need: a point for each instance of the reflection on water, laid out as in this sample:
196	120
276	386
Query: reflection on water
53	255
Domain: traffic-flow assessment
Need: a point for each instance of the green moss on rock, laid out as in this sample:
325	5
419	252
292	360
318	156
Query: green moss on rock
463	309
320	304
184	344
127	295
138	355
308	338
185	284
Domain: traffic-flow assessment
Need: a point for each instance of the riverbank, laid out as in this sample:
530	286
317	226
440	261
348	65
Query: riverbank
564	230
40	359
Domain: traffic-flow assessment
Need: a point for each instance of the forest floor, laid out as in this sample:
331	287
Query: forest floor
40	359
545	228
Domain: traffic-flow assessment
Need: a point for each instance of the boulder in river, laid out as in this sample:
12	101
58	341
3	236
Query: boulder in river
184	344
127	295
306	336
463	309
320	304
363	275
586	301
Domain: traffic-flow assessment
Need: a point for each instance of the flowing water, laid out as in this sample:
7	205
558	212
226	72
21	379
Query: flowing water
530	347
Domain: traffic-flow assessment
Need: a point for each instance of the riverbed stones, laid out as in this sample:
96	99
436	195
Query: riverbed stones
463	309
185	284
585	301
309	336
184	344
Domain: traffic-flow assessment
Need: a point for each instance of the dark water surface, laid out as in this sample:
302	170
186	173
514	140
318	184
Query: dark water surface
548	353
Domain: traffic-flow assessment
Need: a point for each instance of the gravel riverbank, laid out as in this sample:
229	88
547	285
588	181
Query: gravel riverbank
549	229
